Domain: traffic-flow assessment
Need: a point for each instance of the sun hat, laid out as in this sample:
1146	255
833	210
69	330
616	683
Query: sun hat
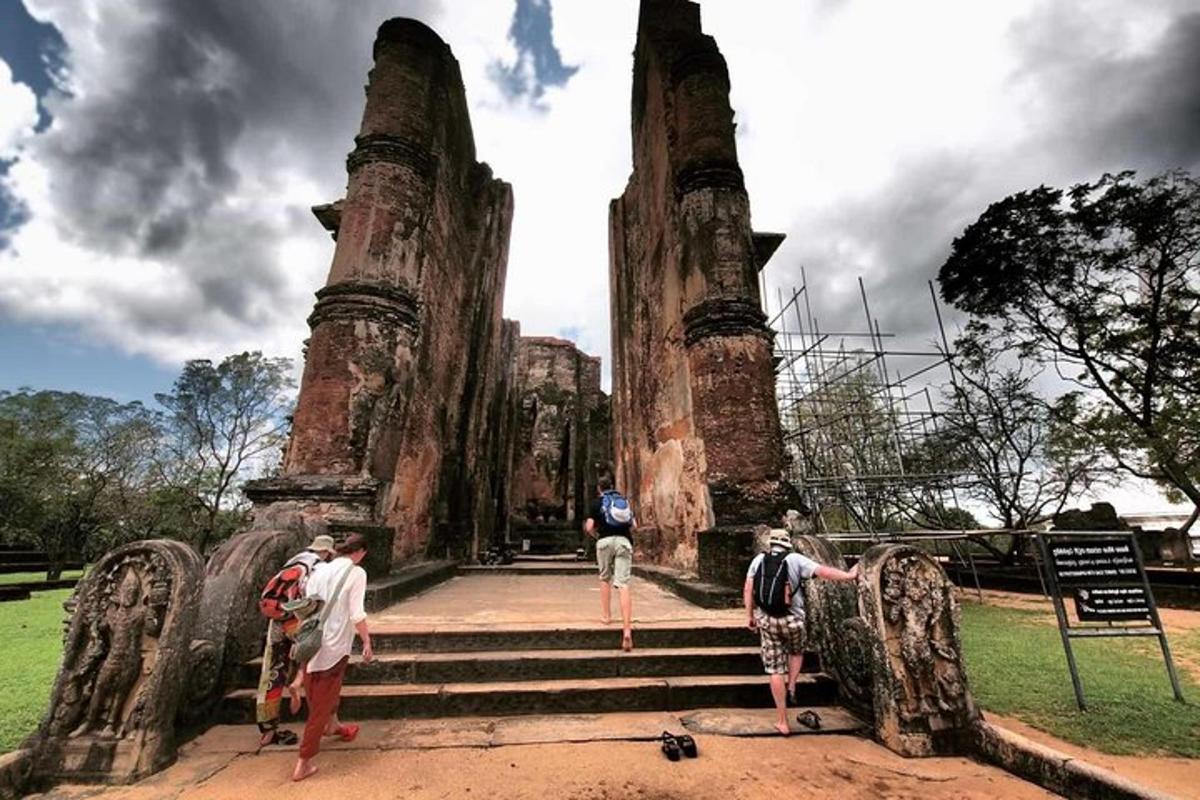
322	544
780	538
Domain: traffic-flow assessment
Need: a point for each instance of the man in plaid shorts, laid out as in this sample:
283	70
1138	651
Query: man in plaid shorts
782	635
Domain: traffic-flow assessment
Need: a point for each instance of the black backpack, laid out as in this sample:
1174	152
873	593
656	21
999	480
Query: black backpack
772	589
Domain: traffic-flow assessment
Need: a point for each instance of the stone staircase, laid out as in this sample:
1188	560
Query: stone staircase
546	540
550	670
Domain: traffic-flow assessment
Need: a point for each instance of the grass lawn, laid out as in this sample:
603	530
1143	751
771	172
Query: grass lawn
34	577
1016	666
31	632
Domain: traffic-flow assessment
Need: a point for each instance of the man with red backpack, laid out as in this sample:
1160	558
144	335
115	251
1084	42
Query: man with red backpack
278	667
612	523
774	599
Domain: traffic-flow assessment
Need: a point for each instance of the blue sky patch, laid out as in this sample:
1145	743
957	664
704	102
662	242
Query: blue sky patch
538	63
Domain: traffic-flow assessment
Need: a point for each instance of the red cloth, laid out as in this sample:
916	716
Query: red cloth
324	692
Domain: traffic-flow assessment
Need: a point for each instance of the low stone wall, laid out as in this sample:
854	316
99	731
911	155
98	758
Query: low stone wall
1054	770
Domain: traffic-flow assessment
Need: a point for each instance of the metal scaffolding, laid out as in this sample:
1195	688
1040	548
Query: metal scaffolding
857	411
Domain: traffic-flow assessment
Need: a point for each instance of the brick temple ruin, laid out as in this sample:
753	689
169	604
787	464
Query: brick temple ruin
429	424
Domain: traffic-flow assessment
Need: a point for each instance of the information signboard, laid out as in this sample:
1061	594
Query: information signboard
1112	604
1095	562
1106	576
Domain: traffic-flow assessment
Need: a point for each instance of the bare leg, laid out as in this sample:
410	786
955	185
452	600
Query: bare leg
626	618
605	602
795	664
779	693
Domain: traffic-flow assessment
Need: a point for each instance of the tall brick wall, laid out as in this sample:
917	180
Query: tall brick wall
406	407
563	438
697	441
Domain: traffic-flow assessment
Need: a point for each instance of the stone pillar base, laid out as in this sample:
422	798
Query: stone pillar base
723	555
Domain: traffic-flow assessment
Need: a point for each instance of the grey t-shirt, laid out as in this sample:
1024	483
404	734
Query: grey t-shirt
799	567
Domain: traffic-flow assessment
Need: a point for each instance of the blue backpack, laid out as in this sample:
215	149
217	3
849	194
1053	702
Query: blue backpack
616	510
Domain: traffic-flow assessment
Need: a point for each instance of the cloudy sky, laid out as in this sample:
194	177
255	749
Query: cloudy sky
158	157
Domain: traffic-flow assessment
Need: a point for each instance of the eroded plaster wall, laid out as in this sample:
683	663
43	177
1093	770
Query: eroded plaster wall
697	441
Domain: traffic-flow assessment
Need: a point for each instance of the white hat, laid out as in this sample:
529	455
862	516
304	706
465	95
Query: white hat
779	538
322	544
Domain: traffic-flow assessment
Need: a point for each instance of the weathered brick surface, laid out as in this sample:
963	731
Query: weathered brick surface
410	371
697	440
563	439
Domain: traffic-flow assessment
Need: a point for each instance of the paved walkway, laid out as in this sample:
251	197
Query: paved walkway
482	601
561	757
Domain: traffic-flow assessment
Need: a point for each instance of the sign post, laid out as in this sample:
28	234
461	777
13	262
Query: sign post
1105	573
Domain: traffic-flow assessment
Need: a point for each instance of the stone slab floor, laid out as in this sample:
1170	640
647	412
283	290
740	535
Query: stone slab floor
481	601
563	757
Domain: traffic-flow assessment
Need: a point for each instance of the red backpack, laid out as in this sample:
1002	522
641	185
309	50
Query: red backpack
283	587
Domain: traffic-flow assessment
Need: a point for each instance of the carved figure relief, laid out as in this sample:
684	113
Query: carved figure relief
124	664
921	700
917	610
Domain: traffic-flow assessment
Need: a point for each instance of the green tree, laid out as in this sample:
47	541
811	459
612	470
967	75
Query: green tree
71	467
1101	283
224	421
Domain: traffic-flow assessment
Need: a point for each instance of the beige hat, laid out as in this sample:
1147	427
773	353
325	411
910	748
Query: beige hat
322	544
780	538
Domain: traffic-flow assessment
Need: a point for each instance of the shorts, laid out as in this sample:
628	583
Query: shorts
779	638
614	554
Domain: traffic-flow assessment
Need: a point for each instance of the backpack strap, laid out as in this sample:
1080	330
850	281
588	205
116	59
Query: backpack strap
336	592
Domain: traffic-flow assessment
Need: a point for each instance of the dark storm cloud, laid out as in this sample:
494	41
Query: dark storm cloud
188	102
538	63
1096	110
1138	111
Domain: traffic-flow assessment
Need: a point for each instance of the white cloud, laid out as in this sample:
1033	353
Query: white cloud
18	113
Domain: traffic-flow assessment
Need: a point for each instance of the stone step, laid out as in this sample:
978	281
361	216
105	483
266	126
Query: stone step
391	639
392	701
537	665
539	567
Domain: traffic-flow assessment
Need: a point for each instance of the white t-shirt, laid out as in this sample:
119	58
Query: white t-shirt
799	567
346	611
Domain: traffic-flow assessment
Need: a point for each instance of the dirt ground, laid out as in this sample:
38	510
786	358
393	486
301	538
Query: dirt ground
727	769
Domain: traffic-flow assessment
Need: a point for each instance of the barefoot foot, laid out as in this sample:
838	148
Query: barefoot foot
783	729
627	642
303	771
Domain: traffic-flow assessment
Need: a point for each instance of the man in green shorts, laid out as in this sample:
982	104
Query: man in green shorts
612	523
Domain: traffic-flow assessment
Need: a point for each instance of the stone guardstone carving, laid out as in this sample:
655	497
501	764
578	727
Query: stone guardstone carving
125	664
835	630
922	705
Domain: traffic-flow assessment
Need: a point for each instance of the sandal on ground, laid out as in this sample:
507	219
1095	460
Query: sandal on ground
285	738
809	719
688	745
670	746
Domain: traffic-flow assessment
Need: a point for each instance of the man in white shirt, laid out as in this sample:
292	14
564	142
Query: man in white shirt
341	584
775	607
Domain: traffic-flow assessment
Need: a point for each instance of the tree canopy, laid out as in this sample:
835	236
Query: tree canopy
1100	282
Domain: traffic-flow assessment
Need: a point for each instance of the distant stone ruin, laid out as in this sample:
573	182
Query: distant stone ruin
698	443
563	437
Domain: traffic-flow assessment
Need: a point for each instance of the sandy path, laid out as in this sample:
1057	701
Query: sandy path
728	769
